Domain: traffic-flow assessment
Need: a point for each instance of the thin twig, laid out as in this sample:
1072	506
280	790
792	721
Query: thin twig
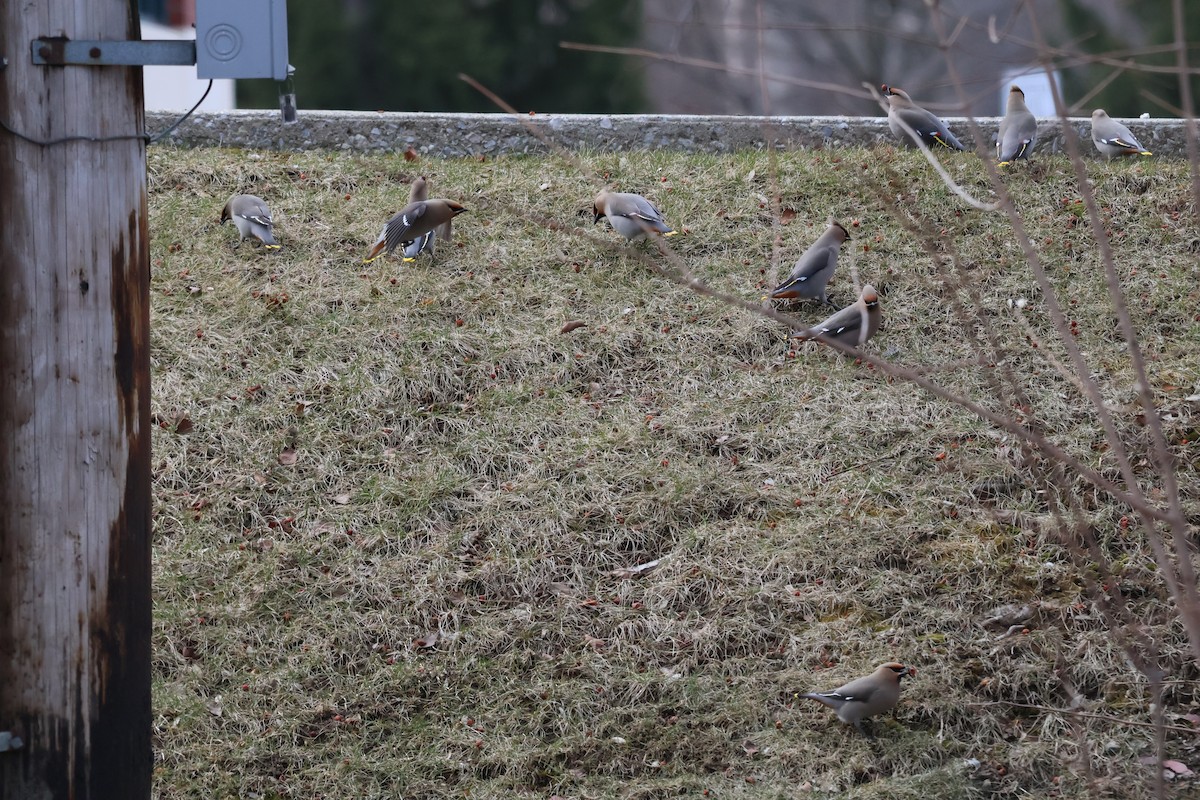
855	467
713	65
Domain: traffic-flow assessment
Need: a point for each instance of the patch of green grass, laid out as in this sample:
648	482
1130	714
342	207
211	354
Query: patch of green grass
388	551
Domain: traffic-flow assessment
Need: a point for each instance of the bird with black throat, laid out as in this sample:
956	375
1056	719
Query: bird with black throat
865	697
811	273
852	326
1113	139
902	111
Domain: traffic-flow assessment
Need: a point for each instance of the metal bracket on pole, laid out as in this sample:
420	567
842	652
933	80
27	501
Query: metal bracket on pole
61	52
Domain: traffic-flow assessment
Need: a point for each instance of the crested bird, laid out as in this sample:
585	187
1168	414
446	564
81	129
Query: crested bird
631	215
815	267
1018	129
411	223
853	325
251	217
867	696
1112	138
931	130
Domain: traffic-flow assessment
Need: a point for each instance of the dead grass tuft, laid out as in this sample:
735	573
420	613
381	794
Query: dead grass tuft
425	598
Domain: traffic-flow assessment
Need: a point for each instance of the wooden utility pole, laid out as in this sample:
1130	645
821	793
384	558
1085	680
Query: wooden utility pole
74	413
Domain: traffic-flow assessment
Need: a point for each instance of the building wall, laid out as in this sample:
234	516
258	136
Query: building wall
178	88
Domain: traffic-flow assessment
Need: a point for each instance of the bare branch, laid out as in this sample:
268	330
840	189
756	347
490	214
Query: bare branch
714	65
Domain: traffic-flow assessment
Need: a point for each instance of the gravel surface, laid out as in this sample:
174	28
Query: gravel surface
453	135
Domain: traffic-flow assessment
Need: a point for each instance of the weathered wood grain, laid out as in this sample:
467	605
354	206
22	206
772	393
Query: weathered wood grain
74	414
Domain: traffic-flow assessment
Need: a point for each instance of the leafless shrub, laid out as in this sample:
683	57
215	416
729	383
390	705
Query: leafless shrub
1144	473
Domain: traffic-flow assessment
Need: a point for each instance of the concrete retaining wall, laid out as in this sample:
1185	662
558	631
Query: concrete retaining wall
493	134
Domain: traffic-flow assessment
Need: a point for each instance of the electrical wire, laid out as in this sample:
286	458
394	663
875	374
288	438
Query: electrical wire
178	122
102	139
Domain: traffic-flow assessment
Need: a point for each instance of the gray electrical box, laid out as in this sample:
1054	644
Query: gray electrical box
241	39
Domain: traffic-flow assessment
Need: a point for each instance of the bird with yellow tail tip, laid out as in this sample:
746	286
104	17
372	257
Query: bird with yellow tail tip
929	129
1018	130
631	215
865	697
1112	138
251	217
815	267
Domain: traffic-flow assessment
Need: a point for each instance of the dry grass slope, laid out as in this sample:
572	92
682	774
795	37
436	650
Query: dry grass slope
392	502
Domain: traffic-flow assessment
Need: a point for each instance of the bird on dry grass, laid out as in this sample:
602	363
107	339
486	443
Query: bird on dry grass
1018	129
251	217
853	325
631	215
422	244
931	130
815	267
412	223
865	697
1112	138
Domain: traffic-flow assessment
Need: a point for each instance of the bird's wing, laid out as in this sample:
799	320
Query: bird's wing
929	127
848	320
809	265
399	227
1015	144
840	696
641	207
1123	143
257	212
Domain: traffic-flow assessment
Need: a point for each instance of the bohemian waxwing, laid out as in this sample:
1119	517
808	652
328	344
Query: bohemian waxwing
865	697
413	222
853	325
1018	129
815	267
1112	138
631	215
251	217
928	127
